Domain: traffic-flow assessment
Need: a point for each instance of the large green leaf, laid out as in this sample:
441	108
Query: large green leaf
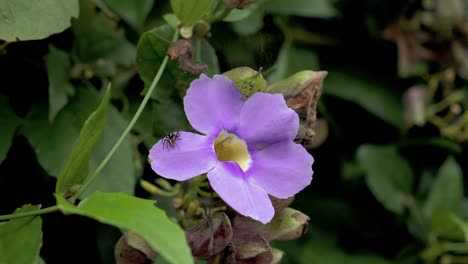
388	175
139	215
25	19
9	124
76	169
151	50
21	238
446	193
307	8
58	65
375	97
133	12
53	143
189	11
292	59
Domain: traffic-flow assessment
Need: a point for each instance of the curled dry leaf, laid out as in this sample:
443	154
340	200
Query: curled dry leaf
182	50
216	229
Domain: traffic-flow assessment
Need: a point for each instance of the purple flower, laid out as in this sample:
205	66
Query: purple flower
246	148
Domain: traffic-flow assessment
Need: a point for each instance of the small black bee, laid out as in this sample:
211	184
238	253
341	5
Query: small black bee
171	140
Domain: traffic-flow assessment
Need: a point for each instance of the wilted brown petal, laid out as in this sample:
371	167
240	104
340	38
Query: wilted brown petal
217	229
182	50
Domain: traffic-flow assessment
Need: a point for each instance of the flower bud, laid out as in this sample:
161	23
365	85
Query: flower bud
247	80
239	4
286	225
414	102
251	248
216	229
133	249
277	256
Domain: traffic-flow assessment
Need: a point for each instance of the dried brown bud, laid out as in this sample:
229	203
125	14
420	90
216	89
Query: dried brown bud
239	4
280	204
182	50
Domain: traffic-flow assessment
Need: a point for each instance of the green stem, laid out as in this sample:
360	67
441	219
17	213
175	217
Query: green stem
30	213
101	166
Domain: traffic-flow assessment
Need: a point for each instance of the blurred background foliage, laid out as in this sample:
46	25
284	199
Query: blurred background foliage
389	168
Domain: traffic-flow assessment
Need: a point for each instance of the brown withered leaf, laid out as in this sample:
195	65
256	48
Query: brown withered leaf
182	50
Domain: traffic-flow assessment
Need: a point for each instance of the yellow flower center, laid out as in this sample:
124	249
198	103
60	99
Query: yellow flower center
229	147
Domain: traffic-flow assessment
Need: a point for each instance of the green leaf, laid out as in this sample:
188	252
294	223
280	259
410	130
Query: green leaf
189	11
99	43
388	175
449	226
76	169
61	136
250	25
58	65
326	250
446	193
306	8
151	50
132	12
26	20
292	59
238	14
139	215
375	97
209	57
9	124
21	238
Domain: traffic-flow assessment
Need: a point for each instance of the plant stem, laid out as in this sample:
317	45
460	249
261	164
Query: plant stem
30	213
98	170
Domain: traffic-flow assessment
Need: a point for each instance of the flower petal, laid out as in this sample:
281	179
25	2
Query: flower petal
212	105
189	156
266	119
282	169
228	180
